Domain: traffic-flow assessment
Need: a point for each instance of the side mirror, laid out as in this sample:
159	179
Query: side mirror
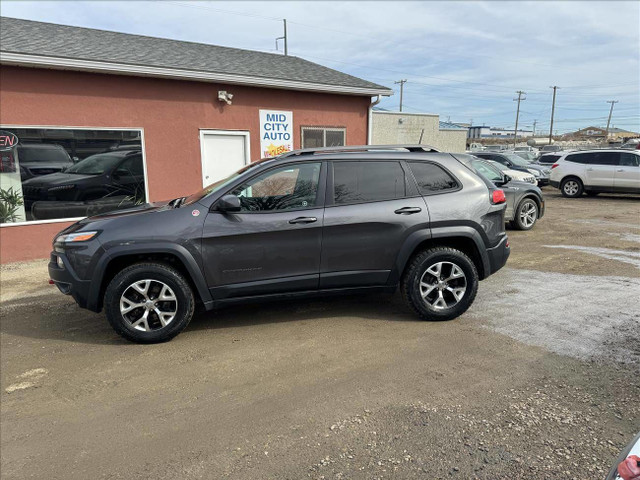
228	203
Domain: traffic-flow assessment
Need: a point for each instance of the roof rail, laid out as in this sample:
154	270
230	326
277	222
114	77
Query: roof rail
359	148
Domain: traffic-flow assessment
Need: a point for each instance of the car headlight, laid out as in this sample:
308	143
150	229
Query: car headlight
61	187
531	179
547	172
76	237
534	172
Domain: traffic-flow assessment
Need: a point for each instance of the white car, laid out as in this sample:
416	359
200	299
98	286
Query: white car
596	171
515	174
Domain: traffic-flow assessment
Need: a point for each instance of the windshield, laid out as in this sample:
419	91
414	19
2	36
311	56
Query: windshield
516	160
214	187
95	164
487	170
40	154
498	165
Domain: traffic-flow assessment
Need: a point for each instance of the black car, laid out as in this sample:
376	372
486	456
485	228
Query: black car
515	162
310	222
118	173
37	159
525	202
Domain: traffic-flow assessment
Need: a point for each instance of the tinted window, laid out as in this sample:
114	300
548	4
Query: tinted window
595	158
42	154
367	181
131	166
284	188
629	160
432	178
95	164
548	158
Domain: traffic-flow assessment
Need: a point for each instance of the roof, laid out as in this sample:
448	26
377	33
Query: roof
29	43
451	126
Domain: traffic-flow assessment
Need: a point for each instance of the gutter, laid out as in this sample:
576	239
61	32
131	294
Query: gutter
41	61
370	119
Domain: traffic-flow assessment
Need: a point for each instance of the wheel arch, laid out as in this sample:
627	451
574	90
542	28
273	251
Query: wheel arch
173	255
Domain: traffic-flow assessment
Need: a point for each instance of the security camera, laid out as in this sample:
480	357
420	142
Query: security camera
225	96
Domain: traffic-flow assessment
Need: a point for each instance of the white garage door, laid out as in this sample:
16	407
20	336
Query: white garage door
223	152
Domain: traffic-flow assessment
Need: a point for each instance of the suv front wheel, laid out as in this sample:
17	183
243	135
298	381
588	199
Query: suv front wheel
440	283
149	303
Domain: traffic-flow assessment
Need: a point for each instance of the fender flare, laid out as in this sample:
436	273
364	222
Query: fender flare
187	259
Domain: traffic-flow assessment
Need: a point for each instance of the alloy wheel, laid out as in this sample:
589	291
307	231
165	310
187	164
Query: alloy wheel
528	214
571	188
148	305
443	285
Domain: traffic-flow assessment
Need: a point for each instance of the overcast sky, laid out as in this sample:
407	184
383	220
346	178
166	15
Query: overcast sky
463	60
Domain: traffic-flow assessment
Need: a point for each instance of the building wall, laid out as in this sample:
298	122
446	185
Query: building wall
170	112
405	128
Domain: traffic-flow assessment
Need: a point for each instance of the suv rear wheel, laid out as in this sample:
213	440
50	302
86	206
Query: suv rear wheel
149	303
526	215
440	283
571	187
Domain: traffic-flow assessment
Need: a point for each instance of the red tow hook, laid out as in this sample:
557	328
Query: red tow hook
51	282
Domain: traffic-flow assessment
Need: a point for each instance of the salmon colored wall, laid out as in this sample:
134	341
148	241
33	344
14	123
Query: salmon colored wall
171	112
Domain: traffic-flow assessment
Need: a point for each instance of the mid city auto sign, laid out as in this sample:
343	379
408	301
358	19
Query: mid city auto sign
276	132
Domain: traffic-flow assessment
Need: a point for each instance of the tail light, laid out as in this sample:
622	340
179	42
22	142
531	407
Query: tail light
497	197
554	166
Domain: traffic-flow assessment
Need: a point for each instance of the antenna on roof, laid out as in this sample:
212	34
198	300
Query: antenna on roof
284	37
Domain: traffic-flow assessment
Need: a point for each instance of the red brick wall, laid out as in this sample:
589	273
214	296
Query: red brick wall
171	113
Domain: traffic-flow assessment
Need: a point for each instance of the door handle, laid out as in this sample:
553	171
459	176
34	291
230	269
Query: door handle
589	169
620	170
408	210
303	220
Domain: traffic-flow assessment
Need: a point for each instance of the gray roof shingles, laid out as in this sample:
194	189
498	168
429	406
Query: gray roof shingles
48	39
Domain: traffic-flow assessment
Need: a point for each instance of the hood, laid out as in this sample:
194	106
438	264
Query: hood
56	179
144	209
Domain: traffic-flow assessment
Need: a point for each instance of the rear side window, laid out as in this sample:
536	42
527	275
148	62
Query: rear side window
629	160
432	178
355	182
548	158
595	158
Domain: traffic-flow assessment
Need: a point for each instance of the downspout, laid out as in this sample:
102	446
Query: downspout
370	124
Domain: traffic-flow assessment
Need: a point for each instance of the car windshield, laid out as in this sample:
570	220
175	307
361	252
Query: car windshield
516	160
42	154
498	165
487	170
95	164
214	187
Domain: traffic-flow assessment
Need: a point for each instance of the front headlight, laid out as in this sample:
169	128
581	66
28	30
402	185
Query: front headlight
534	172
61	187
76	237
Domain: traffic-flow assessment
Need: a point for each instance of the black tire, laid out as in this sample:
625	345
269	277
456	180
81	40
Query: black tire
526	214
571	187
157	273
417	268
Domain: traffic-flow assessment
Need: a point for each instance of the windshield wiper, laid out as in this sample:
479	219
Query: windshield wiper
176	202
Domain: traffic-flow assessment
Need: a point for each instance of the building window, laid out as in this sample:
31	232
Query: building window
59	173
315	137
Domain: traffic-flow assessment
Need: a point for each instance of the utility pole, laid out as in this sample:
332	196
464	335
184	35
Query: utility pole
553	110
606	135
284	37
519	99
401	82
534	127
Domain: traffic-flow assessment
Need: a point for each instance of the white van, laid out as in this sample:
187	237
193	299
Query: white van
596	171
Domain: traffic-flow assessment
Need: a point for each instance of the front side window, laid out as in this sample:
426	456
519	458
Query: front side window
292	187
61	173
432	178
356	182
317	137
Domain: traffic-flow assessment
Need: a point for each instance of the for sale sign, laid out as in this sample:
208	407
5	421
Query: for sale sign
276	132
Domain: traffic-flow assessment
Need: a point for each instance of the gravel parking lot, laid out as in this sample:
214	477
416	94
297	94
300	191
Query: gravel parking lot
540	379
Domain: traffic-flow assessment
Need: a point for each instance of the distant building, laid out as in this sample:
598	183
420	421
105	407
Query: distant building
484	131
598	133
412	128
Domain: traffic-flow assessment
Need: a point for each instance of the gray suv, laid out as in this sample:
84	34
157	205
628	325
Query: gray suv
310	222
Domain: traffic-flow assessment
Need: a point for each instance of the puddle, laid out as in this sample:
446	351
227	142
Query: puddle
586	317
632	258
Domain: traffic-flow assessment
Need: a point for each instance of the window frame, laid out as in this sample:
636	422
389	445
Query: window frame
446	170
320	197
324	134
411	189
65	127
